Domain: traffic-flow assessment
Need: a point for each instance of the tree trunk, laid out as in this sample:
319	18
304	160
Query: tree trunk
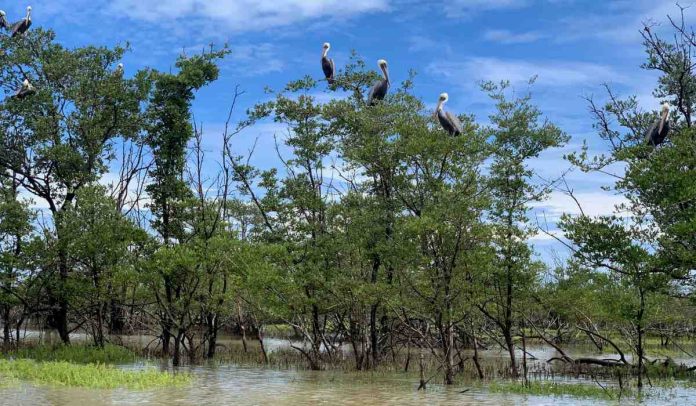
6	326
176	358
166	338
212	344
59	315
449	354
259	335
640	352
374	337
211	321
524	358
99	333
511	350
476	358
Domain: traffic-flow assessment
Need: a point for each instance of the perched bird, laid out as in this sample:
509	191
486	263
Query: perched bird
22	26
379	90
327	65
449	121
3	21
25	90
657	132
119	69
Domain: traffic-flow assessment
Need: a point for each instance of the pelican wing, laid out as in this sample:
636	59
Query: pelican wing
378	91
651	134
20	27
327	67
456	124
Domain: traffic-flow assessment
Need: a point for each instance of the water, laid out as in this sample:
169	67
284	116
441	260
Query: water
254	386
230	384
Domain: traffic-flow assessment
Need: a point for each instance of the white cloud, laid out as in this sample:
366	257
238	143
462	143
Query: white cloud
550	73
592	203
245	15
509	37
621	21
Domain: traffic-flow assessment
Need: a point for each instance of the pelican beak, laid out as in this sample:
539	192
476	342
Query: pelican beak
663	119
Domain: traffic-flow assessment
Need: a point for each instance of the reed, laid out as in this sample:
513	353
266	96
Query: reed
577	390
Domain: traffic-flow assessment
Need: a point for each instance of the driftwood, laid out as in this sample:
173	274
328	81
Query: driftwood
622	357
583	360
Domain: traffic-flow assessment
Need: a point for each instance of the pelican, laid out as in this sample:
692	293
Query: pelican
379	90
25	90
327	65
21	26
119	69
658	131
3	21
449	121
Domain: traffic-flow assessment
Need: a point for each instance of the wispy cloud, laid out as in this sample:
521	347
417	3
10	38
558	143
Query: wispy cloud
465	8
418	43
592	204
244	15
255	60
509	37
549	73
621	21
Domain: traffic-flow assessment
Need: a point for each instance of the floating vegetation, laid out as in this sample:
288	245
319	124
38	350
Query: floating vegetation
561	389
95	376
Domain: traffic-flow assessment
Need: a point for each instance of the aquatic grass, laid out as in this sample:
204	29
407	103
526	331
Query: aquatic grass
81	354
560	389
94	376
8	382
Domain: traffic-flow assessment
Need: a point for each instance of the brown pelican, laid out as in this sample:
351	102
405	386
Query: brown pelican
3	21
25	90
119	69
21	26
379	90
328	64
449	121
658	131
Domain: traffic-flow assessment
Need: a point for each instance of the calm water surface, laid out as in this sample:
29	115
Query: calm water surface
236	385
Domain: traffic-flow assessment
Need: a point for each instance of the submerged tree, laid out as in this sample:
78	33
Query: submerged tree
648	245
15	232
59	139
169	130
518	135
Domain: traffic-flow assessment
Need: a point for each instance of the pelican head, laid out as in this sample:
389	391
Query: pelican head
119	66
327	45
664	114
440	101
2	13
382	63
28	10
326	49
25	83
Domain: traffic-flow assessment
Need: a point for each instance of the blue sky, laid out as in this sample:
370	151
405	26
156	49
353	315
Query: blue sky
572	45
